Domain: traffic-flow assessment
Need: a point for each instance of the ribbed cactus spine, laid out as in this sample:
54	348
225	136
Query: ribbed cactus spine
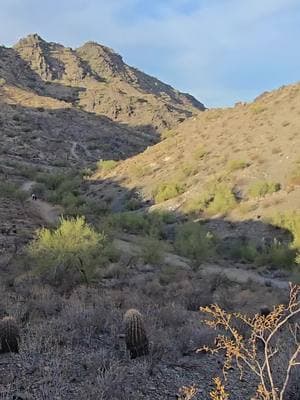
136	338
9	335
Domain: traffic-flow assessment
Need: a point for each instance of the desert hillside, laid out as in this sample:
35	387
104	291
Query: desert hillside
242	162
147	244
85	103
99	81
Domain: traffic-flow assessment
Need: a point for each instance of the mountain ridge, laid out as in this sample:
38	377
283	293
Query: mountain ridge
108	85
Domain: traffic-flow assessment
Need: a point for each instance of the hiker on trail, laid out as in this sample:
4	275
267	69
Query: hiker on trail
33	196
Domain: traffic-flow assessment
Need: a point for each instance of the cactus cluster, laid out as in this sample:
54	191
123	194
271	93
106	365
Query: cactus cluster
9	335
135	334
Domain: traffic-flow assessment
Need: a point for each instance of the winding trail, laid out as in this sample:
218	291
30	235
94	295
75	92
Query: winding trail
46	211
73	150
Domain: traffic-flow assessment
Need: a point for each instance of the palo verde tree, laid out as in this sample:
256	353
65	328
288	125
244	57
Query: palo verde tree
73	251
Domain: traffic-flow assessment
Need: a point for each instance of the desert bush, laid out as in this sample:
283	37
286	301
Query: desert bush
275	254
73	252
188	170
141	223
260	353
11	191
258	108
199	203
224	200
133	204
235	165
51	181
26	171
193	241
167	191
152	250
262	188
128	221
62	189
139	171
291	221
106	165
200	152
215	198
240	251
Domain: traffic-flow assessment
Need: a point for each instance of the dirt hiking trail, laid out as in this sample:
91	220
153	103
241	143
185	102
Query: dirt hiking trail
129	245
46	211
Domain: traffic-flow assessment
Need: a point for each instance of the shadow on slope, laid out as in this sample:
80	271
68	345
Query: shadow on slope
17	72
67	137
250	241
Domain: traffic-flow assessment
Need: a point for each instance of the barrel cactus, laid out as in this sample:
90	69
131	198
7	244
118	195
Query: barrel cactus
135	333
9	335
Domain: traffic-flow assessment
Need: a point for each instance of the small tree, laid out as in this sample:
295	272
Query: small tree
260	352
73	250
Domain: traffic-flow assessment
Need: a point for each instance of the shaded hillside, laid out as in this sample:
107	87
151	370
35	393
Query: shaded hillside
107	85
243	162
63	109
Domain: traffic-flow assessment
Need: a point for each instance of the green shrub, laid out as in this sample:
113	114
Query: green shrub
151	250
86	173
262	188
235	165
140	223
63	189
277	254
193	241
133	204
199	203
73	252
224	200
216	198
139	171
11	191
27	172
291	221
129	222
199	153
107	165
167	191
51	181
188	170
258	108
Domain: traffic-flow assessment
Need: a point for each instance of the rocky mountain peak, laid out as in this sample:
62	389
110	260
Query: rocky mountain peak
95	78
103	60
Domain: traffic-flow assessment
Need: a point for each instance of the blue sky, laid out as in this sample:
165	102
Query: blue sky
221	51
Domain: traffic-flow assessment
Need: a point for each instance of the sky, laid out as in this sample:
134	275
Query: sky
220	51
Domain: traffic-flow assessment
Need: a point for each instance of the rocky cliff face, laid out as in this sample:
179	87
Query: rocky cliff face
106	85
74	107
